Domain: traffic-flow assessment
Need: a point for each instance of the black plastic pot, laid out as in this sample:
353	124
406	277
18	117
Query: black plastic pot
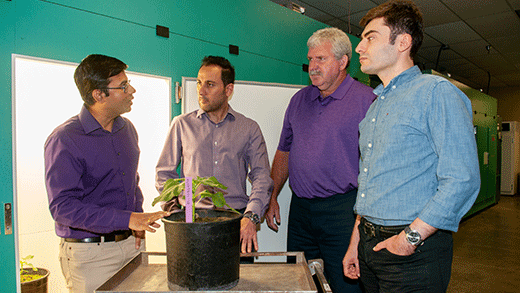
203	255
36	286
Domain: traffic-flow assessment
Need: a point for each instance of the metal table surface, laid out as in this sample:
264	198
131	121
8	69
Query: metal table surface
139	275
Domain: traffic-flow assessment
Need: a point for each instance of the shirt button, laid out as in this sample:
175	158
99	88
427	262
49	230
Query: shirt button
366	170
123	173
215	143
369	145
393	87
216	126
382	97
216	162
362	195
373	119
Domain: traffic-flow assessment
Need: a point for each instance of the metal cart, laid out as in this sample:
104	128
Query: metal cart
139	275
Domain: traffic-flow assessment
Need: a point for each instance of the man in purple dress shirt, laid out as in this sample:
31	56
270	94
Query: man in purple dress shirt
91	178
318	152
215	140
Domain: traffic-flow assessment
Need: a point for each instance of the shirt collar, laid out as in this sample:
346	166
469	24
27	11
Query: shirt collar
339	93
402	78
90	123
231	113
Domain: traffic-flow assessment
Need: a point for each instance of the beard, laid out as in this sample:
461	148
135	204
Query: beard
209	106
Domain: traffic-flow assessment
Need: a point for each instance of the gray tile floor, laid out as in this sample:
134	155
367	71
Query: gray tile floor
486	253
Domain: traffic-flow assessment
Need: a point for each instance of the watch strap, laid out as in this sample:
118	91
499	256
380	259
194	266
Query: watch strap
253	217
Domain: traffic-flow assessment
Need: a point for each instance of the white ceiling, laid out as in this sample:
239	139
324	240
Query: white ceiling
467	27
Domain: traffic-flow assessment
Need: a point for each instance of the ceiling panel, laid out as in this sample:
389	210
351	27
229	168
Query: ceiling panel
352	6
487	26
510	78
354	19
514	3
429	42
473	48
506	45
513	58
432	53
467	9
434	13
496	82
342	25
452	33
494	63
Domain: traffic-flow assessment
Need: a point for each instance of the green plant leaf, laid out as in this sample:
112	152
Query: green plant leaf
172	188
24	262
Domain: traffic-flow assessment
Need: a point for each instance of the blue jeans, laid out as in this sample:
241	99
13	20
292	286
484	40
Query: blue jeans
321	228
427	270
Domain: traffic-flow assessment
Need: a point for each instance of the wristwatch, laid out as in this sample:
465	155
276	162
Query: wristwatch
253	217
413	236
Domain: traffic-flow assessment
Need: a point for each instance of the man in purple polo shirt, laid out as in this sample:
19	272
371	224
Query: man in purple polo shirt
318	152
91	178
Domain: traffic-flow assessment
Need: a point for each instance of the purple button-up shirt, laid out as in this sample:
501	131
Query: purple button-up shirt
232	150
321	136
91	176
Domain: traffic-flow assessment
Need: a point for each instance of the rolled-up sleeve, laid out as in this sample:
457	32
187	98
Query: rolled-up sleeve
453	140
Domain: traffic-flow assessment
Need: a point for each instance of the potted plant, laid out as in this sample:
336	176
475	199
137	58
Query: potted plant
33	280
203	254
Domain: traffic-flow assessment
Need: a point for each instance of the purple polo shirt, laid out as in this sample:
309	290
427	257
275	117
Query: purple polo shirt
322	137
91	176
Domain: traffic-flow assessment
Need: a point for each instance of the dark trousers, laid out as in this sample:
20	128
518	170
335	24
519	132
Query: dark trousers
427	270
321	228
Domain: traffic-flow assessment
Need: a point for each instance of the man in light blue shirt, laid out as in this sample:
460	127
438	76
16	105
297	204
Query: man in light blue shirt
419	171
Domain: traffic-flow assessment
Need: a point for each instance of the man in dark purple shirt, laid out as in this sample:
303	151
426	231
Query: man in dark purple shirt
91	178
318	152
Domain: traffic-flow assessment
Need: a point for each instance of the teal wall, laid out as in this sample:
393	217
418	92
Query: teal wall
7	249
271	38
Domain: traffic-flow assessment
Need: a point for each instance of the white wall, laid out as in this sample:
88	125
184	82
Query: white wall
46	96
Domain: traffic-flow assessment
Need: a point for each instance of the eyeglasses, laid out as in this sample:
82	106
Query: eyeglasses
124	88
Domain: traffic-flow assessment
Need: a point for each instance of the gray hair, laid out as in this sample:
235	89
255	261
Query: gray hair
338	39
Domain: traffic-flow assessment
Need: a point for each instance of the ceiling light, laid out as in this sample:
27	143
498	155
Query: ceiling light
295	7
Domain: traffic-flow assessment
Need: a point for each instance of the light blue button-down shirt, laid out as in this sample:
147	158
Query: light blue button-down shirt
418	153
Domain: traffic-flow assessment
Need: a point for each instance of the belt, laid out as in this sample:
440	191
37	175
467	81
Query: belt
373	230
114	236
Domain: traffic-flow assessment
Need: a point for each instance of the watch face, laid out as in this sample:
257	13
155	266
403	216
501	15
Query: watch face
413	237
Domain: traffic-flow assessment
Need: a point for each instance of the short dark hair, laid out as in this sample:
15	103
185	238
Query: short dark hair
93	73
400	16
228	71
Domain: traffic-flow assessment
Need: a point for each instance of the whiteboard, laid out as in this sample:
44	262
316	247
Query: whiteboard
266	104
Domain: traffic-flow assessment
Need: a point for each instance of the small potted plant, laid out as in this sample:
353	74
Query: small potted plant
202	254
33	279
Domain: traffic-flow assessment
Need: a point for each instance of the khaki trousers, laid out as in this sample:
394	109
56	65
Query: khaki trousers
86	266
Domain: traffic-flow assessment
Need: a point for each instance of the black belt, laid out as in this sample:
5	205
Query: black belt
114	236
373	230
